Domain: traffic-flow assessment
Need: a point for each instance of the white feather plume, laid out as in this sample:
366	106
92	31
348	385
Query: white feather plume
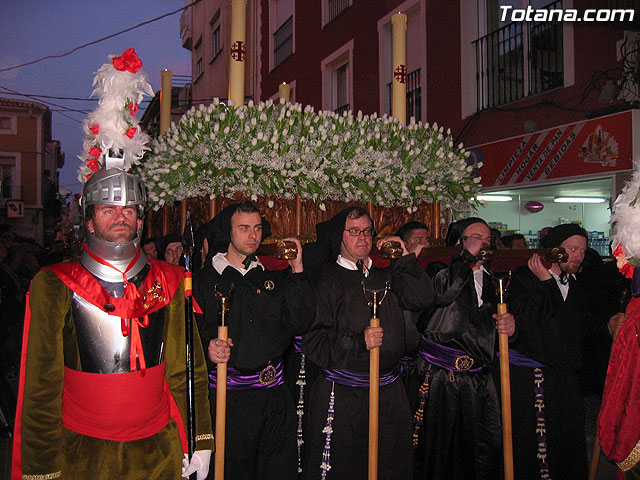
113	118
625	217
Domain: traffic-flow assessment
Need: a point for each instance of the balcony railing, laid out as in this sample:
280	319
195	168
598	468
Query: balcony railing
519	59
546	55
414	96
283	42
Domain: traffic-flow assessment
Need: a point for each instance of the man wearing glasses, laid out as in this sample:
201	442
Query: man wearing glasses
339	342
457	420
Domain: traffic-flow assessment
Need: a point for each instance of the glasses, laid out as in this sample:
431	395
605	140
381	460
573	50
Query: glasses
355	232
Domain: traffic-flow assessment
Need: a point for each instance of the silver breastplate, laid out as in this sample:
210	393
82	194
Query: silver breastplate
103	348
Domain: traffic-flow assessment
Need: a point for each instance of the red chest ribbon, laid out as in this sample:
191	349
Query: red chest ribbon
130	326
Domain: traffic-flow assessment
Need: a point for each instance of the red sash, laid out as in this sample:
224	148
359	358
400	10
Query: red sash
117	406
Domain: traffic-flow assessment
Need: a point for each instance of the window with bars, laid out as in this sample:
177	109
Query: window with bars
337	79
340	89
283	42
216	39
414	96
9	186
520	58
216	42
198	55
333	8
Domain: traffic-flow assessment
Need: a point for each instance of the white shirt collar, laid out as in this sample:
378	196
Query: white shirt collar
478	281
557	277
564	287
349	265
481	269
220	262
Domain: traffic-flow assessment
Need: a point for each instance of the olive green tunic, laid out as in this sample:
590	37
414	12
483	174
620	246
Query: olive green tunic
48	449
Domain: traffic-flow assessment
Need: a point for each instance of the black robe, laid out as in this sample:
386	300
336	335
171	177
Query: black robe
550	330
461	433
336	341
268	308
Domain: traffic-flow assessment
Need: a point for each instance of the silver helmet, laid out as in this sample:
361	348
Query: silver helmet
113	186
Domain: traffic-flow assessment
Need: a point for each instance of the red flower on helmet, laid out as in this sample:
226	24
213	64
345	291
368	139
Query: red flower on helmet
133	108
93	165
95	152
128	61
95	128
626	269
131	132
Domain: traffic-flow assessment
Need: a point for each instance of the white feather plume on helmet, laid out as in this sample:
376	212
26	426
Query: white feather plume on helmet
113	125
625	218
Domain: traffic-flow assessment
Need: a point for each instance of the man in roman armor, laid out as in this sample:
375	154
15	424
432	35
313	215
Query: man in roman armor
102	391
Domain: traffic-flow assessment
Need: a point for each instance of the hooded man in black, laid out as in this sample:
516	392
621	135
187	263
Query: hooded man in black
457	422
267	309
339	342
552	319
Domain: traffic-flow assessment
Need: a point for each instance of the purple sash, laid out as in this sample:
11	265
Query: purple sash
520	360
351	378
297	344
448	358
406	362
270	376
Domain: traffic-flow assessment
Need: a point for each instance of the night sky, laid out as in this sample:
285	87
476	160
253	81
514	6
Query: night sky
32	29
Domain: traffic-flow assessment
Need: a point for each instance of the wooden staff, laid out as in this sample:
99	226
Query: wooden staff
374	396
221	390
505	386
374	381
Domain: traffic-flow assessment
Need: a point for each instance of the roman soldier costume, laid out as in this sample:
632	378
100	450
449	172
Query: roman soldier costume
102	390
619	418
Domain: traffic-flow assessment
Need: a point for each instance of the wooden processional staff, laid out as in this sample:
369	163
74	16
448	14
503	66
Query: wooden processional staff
377	297
502	283
221	386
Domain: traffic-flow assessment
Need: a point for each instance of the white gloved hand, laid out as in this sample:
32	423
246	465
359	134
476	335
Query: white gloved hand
199	463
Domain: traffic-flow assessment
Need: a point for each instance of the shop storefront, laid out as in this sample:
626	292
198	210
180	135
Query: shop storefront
569	173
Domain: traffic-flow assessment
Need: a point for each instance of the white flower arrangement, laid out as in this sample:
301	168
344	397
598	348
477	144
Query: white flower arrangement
282	149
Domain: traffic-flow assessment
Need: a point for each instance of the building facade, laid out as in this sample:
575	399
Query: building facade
475	67
205	30
29	163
